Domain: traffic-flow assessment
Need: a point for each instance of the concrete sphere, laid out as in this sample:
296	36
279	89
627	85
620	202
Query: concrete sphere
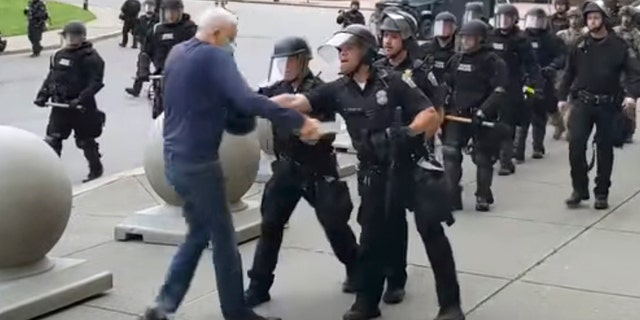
239	155
35	198
265	136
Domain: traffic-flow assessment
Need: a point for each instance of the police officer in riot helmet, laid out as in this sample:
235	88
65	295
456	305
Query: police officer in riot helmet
477	79
398	34
146	21
75	76
474	10
550	53
512	45
440	50
559	20
175	26
594	86
300	171
387	118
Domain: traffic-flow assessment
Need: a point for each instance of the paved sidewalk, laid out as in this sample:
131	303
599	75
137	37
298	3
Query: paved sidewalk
528	259
106	25
338	4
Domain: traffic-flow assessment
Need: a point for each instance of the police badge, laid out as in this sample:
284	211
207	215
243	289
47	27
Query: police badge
381	97
407	78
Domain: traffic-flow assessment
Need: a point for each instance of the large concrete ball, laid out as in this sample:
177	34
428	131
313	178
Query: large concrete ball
265	136
35	198
240	157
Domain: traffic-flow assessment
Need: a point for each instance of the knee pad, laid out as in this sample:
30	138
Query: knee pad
55	143
86	144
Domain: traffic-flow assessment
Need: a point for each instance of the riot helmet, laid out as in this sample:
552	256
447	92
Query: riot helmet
354	5
74	33
473	10
290	59
626	14
396	20
536	19
351	48
506	16
575	18
561	6
594	25
444	24
171	11
149	6
472	35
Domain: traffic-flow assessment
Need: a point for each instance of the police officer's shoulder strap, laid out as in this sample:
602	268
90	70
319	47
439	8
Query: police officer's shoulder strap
155	27
420	64
383	75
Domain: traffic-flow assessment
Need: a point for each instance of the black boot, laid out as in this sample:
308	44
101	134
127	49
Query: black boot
601	203
356	313
254	316
254	297
450	313
95	165
538	154
394	294
482	204
507	168
132	92
349	284
154	314
575	199
456	199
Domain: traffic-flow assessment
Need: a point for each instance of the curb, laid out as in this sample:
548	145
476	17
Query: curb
297	4
99	37
101	182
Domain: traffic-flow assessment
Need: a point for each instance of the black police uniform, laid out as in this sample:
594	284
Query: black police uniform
129	15
550	52
515	49
368	113
144	26
437	55
425	79
75	76
593	85
349	17
37	17
558	21
301	171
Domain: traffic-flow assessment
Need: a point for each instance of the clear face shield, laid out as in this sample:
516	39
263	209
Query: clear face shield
504	21
341	53
443	28
72	40
535	22
470	15
149	7
286	68
171	15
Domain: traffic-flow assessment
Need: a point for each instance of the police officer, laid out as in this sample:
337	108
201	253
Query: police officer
512	45
398	34
627	30
353	16
559	20
550	53
386	116
3	43
443	46
175	26
474	10
594	85
75	76
300	171
37	16
129	15
477	79
146	22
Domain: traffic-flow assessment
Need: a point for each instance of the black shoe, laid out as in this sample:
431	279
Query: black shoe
349	285
255	316
135	46
254	298
575	199
393	295
361	315
94	174
537	154
35	54
122	45
451	313
519	158
506	170
456	202
132	92
153	314
482	204
601	203
490	198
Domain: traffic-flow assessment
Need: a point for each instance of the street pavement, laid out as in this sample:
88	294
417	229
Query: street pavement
128	119
530	258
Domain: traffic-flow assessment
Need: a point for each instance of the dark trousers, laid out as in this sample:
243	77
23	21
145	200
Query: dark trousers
87	126
325	193
513	114
34	33
485	149
380	229
128	27
536	117
581	121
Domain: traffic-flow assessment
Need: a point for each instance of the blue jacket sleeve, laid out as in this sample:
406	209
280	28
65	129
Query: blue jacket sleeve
226	75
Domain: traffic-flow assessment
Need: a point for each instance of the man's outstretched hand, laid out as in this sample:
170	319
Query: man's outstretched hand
310	130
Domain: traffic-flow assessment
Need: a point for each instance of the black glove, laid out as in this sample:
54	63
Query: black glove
478	118
549	72
40	102
74	104
398	134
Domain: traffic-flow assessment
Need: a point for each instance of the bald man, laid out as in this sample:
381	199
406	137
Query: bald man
201	83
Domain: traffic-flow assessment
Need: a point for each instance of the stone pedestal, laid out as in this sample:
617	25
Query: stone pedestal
31	284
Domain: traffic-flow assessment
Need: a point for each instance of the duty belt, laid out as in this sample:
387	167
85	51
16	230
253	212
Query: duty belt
595	99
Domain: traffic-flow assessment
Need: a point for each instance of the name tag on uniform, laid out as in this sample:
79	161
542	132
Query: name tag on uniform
498	46
167	36
65	62
464	67
439	64
534	45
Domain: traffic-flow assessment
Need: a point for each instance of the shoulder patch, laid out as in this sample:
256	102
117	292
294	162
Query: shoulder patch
432	79
406	77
